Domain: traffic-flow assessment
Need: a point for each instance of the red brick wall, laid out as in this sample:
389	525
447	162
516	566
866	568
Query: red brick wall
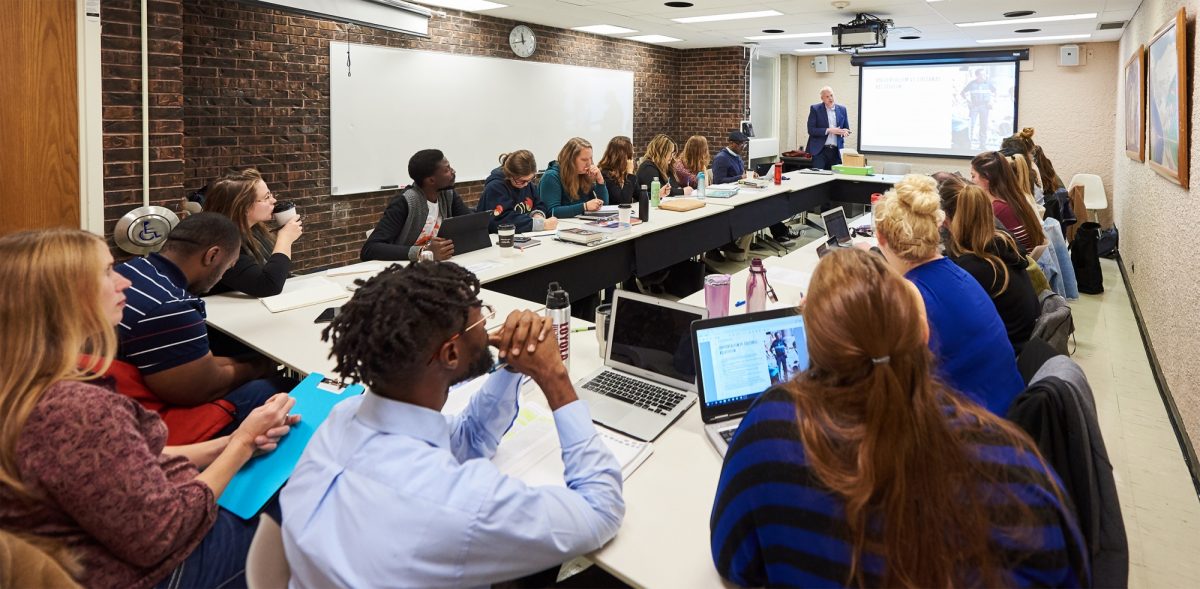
251	88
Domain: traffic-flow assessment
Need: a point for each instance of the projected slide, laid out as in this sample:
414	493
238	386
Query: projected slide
958	109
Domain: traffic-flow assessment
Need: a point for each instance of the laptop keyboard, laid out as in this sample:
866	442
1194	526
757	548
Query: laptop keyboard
635	392
727	434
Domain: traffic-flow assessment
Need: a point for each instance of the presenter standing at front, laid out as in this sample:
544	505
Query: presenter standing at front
828	126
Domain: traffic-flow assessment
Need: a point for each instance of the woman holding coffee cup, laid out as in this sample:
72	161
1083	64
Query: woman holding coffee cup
266	256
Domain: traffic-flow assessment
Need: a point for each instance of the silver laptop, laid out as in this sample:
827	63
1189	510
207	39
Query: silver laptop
738	358
836	226
648	379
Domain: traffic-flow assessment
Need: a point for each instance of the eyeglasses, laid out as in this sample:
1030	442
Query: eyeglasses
521	182
488	312
267	197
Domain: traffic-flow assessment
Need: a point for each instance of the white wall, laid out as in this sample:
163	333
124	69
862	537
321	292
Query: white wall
1158	219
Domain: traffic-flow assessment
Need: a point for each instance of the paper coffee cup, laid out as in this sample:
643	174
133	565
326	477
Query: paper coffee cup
284	212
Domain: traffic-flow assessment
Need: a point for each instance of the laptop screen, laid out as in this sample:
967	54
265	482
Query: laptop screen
653	338
835	224
740	357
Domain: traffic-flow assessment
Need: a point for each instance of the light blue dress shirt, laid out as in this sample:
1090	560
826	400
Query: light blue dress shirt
389	494
831	114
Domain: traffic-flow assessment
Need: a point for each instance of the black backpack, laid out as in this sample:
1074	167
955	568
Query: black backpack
1085	257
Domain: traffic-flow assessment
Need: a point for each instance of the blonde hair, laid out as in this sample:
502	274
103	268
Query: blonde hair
51	315
232	195
574	183
695	154
909	216
660	152
1026	179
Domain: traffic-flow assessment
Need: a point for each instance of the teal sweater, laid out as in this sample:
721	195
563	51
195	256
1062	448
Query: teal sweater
562	205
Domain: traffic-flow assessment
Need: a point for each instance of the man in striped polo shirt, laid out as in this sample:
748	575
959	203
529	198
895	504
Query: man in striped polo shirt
163	333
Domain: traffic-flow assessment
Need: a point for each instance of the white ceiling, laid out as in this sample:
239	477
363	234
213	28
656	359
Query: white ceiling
935	20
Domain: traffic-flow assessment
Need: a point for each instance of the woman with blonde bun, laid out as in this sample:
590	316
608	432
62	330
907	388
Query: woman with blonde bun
967	336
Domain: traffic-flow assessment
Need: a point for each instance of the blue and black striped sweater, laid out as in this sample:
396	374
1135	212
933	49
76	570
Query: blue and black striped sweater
775	524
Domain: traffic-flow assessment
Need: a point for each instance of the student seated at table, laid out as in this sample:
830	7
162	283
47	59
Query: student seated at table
866	470
87	472
573	184
728	166
164	360
992	172
266	256
616	166
512	197
659	163
392	492
691	162
996	261
410	223
967	335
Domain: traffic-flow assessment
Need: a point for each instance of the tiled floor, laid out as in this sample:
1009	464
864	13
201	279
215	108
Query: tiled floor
1158	500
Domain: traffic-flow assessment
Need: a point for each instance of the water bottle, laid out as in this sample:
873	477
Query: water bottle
700	185
644	204
655	187
558	310
756	287
778	173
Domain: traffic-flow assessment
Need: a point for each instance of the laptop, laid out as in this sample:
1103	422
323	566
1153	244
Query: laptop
648	379
836	227
468	232
740	357
763	169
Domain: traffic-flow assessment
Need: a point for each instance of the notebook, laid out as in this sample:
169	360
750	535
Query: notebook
304	293
263	476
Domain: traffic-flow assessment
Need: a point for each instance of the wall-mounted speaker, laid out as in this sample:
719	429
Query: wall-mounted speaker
1068	55
820	64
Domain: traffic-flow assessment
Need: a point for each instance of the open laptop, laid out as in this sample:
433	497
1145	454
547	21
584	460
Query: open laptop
648	379
468	232
739	357
836	227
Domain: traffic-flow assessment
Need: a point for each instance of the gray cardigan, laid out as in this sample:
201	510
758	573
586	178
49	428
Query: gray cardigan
402	221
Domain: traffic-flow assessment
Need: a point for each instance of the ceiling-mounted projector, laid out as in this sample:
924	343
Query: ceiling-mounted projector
866	31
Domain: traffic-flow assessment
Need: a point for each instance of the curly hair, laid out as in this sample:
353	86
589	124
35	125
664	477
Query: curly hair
909	216
396	317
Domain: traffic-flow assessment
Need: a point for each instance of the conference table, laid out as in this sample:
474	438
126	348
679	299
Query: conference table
664	539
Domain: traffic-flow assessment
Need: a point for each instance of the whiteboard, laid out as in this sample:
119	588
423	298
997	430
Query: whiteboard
392	103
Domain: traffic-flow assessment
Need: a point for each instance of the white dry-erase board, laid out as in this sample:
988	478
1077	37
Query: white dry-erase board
390	103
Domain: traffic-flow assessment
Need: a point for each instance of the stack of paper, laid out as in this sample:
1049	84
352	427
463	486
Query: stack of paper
303	293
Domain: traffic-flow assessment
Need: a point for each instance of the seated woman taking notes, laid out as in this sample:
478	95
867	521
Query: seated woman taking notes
659	163
617	168
85	469
691	162
265	260
573	184
867	471
512	197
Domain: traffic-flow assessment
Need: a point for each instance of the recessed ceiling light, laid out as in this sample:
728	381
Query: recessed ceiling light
679	4
1028	39
1019	13
813	43
808	50
773	31
910	37
604	29
1027	30
473	5
790	36
729	16
988	23
652	39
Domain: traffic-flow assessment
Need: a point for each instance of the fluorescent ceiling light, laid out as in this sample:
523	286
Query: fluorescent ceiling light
1029	39
1032	19
652	39
471	5
792	36
814	49
604	29
730	16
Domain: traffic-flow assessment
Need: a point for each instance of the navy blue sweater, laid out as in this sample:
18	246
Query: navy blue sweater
775	524
509	204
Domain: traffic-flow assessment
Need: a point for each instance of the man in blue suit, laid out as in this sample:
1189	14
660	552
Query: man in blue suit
828	126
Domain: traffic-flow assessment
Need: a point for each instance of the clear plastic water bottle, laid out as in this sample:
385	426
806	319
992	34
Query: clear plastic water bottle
558	310
756	287
700	185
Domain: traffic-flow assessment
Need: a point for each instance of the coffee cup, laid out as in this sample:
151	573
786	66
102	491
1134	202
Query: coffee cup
285	211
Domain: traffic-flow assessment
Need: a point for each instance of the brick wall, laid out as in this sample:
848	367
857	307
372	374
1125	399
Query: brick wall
250	88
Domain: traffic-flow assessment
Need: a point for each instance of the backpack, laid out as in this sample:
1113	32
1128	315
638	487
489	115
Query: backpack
1055	325
1085	257
1109	240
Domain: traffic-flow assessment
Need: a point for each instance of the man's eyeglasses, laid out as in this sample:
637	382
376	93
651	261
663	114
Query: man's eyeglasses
488	313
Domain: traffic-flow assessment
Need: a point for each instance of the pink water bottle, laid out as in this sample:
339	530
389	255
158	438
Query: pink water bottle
716	295
756	287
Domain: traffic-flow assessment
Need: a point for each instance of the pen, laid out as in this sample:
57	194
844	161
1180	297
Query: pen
579	329
739	303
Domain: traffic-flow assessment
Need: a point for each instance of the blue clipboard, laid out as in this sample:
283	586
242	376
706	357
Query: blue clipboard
263	476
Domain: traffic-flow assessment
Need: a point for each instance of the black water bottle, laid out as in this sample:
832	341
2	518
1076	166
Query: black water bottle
644	204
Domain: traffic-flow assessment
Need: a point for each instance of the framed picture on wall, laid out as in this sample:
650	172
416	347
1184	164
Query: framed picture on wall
1166	97
1135	105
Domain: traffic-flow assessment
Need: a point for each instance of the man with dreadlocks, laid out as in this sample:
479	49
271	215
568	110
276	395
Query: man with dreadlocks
392	492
